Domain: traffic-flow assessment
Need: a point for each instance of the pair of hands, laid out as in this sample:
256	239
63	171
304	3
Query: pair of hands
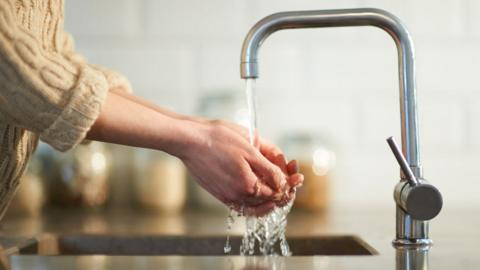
248	178
251	180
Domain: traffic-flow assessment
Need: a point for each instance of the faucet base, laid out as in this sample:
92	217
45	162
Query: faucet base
426	242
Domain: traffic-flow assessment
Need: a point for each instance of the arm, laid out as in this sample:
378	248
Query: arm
62	99
205	146
224	163
44	91
125	122
143	102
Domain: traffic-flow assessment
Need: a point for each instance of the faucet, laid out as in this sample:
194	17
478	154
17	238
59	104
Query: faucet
417	201
412	258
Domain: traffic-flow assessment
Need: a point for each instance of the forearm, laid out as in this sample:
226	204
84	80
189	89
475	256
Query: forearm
159	109
126	122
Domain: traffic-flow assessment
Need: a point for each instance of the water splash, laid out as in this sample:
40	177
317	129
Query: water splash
230	220
269	230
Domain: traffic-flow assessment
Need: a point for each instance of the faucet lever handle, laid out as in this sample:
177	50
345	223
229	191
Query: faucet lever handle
407	171
420	200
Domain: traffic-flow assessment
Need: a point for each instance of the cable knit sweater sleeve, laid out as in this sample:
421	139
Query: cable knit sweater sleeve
45	91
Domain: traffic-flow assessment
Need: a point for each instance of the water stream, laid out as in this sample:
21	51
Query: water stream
252	111
230	221
265	234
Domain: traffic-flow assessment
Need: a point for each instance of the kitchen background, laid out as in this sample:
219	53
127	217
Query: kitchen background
339	85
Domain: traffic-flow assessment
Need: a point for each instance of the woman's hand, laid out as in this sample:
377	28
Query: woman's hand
239	175
275	156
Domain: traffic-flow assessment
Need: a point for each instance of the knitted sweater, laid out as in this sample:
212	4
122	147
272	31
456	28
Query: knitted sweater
47	91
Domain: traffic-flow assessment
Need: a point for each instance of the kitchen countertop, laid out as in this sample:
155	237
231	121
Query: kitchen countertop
455	234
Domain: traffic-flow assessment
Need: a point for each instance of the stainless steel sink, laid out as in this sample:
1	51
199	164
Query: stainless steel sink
183	245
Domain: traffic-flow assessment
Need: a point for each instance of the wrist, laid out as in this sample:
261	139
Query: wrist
189	134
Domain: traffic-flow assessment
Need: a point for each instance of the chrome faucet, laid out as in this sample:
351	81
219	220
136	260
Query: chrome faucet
417	201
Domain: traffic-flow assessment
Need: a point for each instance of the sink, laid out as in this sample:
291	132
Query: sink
149	245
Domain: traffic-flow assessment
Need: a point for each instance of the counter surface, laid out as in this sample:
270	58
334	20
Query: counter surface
455	234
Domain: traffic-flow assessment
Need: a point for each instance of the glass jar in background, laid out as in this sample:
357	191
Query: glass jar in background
316	162
79	177
30	196
227	105
121	177
160	182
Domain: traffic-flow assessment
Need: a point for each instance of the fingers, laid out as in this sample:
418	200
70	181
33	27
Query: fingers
266	146
280	161
292	167
288	195
265	201
256	191
288	198
270	151
268	172
295	180
275	155
261	194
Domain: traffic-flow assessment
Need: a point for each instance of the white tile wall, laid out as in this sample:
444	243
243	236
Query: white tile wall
339	82
474	13
195	19
473	123
443	122
147	67
330	116
379	118
103	18
283	62
213	59
431	18
447	65
354	66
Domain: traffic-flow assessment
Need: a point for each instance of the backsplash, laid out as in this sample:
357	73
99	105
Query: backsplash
341	83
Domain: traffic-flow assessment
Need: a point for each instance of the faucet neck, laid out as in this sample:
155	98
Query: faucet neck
343	18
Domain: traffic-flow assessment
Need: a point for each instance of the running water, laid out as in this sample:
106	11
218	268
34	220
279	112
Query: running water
268	230
230	221
252	111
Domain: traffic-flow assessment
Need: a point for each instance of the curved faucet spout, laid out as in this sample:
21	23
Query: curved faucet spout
342	18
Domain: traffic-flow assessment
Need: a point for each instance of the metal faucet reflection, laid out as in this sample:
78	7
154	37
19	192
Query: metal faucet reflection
417	201
412	258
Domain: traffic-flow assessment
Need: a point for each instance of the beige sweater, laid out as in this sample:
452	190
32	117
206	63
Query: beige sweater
47	91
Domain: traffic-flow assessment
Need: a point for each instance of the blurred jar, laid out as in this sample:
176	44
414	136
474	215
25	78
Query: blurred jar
160	182
30	196
225	105
79	177
121	176
316	162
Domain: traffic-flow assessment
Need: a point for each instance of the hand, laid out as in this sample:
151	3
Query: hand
275	156
232	170
251	181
